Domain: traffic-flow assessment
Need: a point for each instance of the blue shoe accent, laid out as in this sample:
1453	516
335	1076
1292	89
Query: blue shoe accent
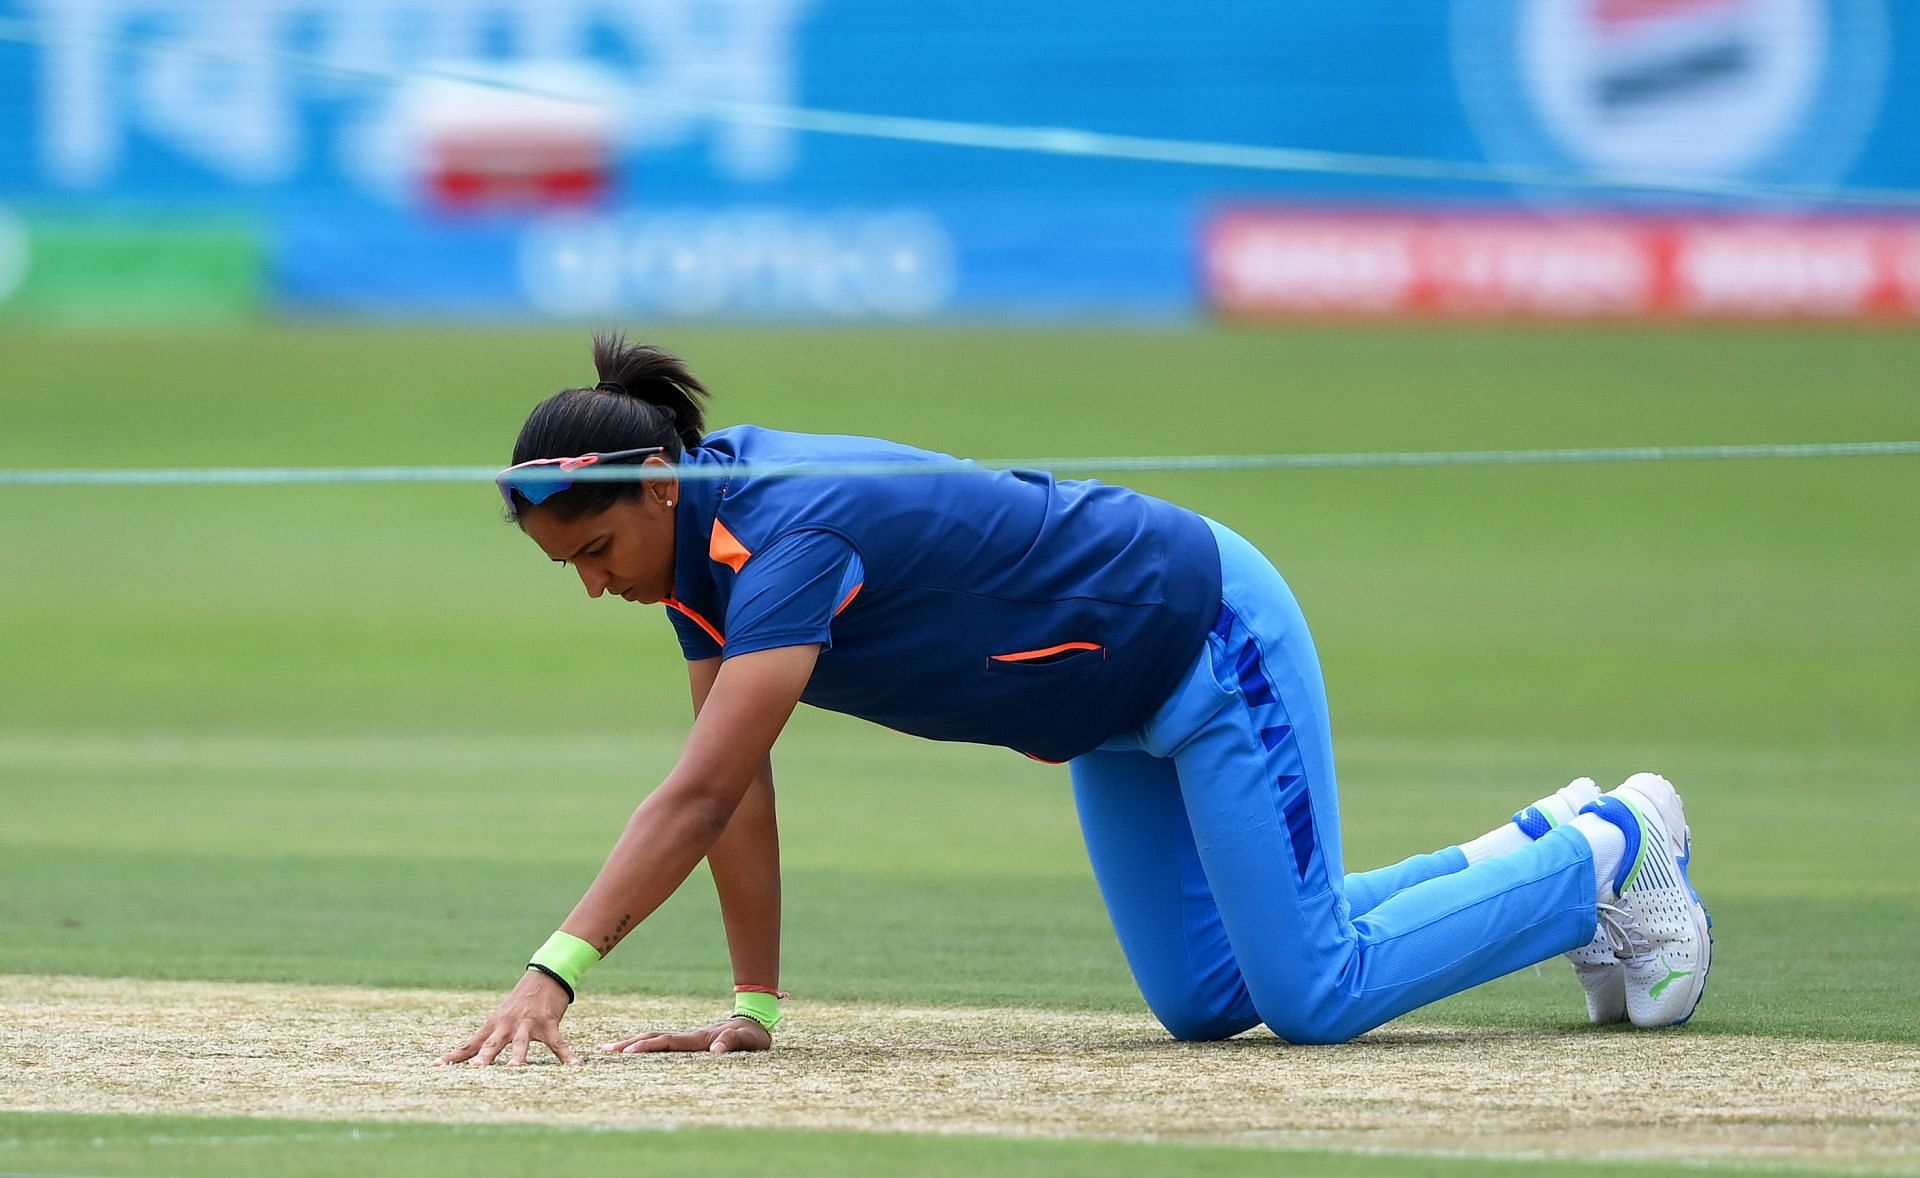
1685	859
1693	891
1621	815
1532	822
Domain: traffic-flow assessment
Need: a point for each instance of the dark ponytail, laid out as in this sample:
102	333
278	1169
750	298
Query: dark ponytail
646	397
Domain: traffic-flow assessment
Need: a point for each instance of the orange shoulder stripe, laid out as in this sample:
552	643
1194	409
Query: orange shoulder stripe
851	594
725	548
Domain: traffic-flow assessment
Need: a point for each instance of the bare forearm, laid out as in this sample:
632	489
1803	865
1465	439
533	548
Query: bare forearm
682	820
742	708
746	873
664	840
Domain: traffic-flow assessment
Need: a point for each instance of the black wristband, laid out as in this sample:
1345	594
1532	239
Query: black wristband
558	980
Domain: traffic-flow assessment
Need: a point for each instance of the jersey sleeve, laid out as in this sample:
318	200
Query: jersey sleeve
695	642
788	594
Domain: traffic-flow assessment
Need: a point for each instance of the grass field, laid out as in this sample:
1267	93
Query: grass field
367	738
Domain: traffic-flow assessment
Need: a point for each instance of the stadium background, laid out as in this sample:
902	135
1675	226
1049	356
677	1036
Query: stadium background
321	157
361	736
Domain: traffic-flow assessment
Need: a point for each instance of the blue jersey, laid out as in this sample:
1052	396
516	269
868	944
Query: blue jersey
998	607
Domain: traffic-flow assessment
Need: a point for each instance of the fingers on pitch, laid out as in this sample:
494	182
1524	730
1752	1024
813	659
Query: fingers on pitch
490	1049
649	1041
629	1041
463	1052
562	1050
732	1039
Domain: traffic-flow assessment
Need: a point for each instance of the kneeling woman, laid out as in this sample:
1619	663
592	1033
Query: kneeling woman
1152	649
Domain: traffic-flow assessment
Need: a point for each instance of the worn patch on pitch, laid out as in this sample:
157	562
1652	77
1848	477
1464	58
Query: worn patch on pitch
125	1046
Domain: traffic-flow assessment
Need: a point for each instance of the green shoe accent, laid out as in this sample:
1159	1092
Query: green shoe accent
1646	844
1673	975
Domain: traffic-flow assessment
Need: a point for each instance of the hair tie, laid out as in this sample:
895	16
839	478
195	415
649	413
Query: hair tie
611	386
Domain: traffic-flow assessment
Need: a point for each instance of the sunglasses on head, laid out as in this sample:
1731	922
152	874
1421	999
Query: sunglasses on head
542	478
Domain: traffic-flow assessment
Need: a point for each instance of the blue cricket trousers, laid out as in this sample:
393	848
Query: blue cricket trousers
1214	833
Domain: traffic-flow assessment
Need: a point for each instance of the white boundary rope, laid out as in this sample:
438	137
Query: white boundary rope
343	475
1055	141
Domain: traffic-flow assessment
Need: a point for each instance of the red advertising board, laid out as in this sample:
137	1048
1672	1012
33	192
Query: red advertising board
480	171
1290	263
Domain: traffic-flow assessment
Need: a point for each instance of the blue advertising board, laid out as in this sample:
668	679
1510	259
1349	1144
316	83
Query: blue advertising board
591	158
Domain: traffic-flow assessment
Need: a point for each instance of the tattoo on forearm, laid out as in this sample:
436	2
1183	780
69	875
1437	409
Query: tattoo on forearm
613	938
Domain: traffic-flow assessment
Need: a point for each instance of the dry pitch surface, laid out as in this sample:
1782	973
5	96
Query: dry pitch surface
123	1046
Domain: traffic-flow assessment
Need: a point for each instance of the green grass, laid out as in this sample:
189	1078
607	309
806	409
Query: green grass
918	875
192	1148
367	736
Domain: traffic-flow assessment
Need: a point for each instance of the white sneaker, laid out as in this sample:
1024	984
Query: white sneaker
1598	971
1603	978
1654	920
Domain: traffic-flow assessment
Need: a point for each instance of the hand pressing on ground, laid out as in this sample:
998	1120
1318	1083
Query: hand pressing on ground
530	1014
729	1034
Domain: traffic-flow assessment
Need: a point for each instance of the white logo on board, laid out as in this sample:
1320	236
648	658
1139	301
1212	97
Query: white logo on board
1699	87
1683	89
771	262
235	88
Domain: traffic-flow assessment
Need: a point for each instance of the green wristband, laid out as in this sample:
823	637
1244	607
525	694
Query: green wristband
761	1008
567	958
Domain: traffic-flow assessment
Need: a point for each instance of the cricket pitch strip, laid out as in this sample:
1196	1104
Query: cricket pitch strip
103	1045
